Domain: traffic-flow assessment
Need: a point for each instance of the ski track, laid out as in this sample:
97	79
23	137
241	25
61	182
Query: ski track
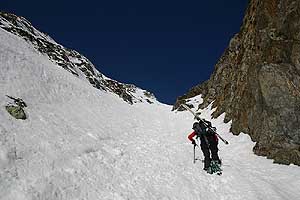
81	143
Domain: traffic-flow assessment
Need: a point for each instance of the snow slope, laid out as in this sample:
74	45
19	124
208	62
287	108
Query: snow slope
83	143
71	60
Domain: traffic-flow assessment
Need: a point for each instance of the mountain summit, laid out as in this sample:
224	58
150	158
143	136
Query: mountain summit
71	60
256	82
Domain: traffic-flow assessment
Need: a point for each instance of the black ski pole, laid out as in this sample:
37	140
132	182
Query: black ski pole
195	145
194	154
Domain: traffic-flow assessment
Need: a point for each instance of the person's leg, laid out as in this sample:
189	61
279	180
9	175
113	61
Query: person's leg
206	153
213	146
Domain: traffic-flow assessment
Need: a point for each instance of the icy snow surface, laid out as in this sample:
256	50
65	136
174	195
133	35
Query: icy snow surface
80	143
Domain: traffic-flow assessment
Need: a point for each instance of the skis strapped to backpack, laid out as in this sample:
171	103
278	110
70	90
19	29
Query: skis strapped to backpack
209	127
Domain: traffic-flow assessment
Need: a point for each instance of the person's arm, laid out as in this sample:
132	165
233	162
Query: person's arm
190	137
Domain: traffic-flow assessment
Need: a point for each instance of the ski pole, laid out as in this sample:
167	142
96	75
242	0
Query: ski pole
195	145
194	154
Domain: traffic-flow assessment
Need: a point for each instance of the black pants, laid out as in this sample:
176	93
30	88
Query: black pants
209	147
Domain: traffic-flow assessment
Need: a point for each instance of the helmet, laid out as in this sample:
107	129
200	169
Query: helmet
195	125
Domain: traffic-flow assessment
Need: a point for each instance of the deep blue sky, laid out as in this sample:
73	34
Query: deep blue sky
165	46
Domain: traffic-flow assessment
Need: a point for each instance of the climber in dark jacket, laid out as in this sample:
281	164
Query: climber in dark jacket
208	140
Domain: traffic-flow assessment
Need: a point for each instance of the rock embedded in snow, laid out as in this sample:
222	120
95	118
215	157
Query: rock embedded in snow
16	109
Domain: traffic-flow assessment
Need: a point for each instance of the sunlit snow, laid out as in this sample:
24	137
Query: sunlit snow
82	143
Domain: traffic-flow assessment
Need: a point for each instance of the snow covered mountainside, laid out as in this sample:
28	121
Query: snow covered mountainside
82	143
71	60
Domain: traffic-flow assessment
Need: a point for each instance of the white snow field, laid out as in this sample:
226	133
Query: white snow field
80	143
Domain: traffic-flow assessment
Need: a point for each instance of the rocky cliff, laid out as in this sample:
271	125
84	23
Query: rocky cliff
71	60
256	82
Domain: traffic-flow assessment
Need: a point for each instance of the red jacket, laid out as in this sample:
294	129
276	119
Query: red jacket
193	134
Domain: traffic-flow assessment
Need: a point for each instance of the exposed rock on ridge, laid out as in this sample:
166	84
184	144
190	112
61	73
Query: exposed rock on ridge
257	80
71	60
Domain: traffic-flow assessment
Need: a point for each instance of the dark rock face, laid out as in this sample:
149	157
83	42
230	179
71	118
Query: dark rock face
68	59
257	80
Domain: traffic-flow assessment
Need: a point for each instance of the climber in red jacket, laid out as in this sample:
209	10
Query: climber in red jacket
208	140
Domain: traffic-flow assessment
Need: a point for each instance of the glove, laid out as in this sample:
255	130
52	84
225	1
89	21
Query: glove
194	143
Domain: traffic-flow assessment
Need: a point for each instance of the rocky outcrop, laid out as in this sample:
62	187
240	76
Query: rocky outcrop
257	80
199	89
16	108
68	59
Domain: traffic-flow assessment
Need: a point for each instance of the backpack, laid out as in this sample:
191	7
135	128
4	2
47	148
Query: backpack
202	128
